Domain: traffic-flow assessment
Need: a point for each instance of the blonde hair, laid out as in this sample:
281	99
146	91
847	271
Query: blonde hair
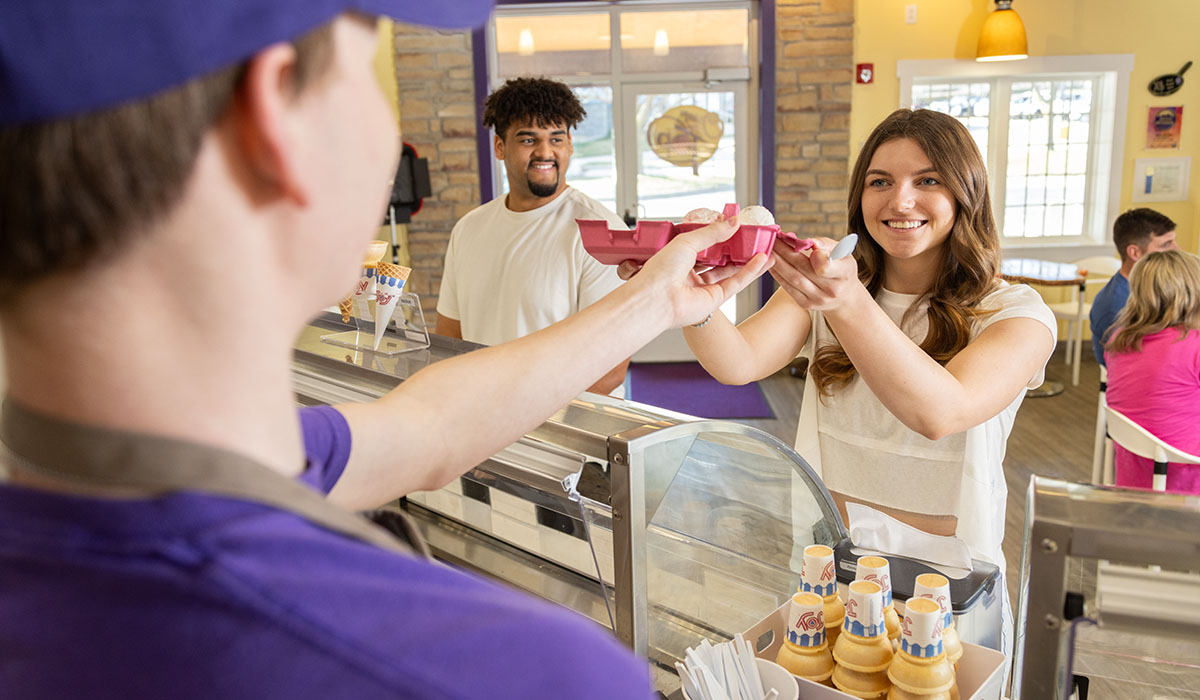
970	260
1164	292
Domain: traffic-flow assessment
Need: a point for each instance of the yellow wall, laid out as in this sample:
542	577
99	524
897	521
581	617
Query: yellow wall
385	73
1161	34
385	65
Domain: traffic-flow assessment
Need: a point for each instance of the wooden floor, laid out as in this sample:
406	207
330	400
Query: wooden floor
1052	437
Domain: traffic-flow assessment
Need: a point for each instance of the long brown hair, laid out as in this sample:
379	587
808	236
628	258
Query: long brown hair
971	257
1164	292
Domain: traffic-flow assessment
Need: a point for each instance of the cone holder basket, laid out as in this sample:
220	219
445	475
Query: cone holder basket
406	330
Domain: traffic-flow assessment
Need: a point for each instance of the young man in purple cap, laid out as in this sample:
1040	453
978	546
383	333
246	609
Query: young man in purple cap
164	167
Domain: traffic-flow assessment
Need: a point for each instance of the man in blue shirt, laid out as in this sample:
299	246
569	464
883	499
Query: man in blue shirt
182	185
1135	233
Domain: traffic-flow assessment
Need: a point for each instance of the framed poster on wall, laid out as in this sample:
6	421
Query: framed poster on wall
1163	125
1161	179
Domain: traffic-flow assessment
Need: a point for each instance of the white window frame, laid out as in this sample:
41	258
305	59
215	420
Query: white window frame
1106	148
743	83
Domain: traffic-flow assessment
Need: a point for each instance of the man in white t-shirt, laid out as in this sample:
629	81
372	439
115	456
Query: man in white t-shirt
516	264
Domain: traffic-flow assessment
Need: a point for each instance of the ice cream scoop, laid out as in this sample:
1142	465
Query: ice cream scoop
754	215
702	215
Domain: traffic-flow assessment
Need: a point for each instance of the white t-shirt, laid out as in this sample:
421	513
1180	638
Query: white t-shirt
860	449
508	274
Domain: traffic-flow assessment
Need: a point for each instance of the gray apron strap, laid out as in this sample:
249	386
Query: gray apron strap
149	463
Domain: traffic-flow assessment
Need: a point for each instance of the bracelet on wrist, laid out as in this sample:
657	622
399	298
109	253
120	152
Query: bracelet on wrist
703	323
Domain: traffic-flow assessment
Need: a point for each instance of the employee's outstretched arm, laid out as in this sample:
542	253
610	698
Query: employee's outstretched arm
454	414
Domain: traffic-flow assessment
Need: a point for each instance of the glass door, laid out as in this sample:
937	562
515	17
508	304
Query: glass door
684	146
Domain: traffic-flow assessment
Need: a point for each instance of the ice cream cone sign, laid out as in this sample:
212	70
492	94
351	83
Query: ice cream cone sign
685	136
389	284
365	290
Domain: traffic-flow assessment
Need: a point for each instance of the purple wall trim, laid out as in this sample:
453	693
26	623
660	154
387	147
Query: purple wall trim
483	141
766	122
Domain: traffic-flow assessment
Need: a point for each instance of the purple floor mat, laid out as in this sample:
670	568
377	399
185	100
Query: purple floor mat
685	387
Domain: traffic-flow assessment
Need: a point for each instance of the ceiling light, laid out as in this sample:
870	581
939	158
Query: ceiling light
1003	35
661	47
525	43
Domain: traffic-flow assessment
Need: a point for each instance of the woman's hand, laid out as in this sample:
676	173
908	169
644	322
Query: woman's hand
694	291
812	280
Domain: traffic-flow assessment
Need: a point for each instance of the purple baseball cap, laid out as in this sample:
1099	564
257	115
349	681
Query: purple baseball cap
60	58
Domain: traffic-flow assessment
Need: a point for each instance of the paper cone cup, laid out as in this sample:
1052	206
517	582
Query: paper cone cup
937	588
387	293
921	630
876	569
864	610
364	292
806	620
817	573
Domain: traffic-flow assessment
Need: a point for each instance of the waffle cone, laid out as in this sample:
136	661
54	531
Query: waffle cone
373	253
346	306
921	677
859	684
902	694
395	271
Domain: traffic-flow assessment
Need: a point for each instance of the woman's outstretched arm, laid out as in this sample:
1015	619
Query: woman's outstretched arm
930	399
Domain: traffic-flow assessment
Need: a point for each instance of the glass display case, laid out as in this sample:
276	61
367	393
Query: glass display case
1110	603
666	528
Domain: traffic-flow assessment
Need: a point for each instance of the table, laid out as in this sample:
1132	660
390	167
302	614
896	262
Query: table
1050	274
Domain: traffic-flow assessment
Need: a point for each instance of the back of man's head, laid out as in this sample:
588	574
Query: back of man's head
103	110
539	101
1136	226
77	189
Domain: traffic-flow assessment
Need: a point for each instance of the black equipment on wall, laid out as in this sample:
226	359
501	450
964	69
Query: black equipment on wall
409	187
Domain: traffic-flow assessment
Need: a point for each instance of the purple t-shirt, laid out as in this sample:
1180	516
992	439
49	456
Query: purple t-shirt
196	596
1159	389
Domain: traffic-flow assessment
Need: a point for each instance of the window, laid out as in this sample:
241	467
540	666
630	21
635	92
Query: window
666	88
1051	131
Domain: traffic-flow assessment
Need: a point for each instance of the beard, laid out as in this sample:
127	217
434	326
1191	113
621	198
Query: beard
543	189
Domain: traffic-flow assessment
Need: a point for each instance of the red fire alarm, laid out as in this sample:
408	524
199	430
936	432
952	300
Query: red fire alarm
864	73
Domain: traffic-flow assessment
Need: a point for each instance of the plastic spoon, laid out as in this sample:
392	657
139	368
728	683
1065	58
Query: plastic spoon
688	682
844	247
751	666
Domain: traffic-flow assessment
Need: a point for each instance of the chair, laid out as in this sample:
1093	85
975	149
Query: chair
1143	443
1102	441
1098	271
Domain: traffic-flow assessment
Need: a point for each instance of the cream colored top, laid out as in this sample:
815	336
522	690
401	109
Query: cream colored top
862	451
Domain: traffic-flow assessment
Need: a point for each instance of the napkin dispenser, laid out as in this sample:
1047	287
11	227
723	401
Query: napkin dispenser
976	598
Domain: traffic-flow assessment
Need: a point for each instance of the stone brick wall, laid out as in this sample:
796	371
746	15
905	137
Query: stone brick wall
813	74
436	88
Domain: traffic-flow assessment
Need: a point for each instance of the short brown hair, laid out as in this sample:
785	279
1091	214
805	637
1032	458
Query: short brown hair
1136	226
77	190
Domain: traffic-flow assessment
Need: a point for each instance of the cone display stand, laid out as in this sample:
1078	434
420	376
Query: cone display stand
405	332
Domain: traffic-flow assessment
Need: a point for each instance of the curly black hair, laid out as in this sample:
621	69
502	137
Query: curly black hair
541	101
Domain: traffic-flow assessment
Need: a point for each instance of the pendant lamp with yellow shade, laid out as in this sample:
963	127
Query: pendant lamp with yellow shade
1003	35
